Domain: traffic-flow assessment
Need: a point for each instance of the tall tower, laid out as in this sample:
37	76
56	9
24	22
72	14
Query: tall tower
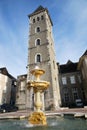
41	53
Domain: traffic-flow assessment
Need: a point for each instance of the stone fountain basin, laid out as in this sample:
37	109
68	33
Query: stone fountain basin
41	85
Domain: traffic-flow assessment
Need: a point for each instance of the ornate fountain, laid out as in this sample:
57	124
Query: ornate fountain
38	116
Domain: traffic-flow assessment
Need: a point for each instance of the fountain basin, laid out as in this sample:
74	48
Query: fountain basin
37	71
40	85
54	123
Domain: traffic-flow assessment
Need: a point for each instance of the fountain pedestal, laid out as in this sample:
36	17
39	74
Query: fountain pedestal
38	116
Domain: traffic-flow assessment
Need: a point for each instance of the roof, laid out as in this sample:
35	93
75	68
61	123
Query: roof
68	67
85	53
39	10
4	71
81	59
23	75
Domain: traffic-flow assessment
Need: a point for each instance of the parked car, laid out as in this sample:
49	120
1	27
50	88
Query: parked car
1	110
8	108
79	103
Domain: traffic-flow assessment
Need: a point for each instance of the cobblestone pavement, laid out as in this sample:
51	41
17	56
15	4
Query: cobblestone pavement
26	113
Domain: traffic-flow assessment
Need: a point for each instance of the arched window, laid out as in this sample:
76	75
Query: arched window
38	29
38	18
37	42
38	58
33	20
42	17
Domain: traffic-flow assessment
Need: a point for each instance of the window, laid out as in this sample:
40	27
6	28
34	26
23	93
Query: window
75	96
74	89
38	29
38	58
22	85
72	80
64	81
38	42
38	18
66	96
65	90
33	20
42	17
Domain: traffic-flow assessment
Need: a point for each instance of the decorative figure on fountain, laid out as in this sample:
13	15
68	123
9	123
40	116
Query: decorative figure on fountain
38	116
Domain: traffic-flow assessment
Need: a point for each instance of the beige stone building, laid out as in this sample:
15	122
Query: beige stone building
82	66
68	82
41	53
21	91
6	87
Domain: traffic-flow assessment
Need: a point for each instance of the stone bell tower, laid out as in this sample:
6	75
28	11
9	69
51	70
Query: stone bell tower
41	53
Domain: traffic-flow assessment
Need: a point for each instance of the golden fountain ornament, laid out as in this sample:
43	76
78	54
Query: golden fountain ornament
38	116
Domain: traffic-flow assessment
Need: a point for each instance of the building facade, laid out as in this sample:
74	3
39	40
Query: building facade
68	82
7	87
21	91
82	66
40	53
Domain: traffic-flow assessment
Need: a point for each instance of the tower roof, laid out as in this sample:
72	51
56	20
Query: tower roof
39	10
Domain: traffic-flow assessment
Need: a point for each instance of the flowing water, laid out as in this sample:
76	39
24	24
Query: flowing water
57	123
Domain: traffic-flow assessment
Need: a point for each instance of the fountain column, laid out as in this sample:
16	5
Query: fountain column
38	117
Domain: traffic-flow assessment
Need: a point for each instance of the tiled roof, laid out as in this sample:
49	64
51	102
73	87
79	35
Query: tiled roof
40	8
4	71
68	67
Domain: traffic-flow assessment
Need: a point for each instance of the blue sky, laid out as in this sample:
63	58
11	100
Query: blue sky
69	30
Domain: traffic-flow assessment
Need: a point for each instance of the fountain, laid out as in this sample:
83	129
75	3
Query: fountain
38	116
